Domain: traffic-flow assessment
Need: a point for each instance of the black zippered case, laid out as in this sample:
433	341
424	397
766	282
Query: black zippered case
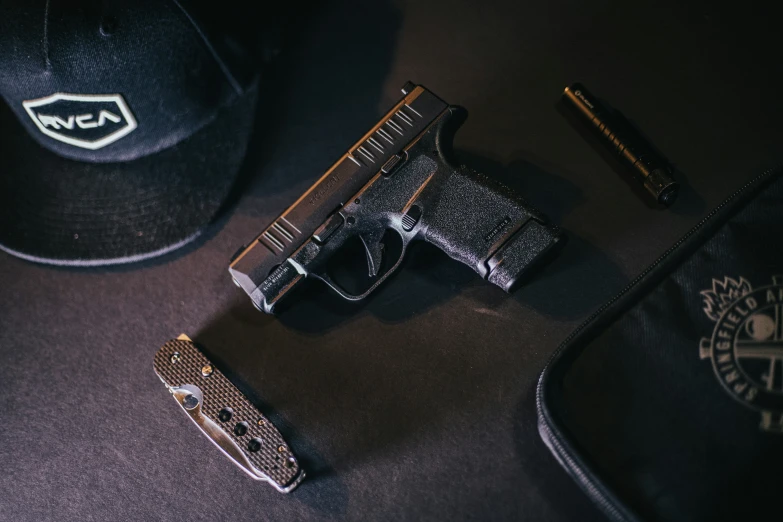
667	403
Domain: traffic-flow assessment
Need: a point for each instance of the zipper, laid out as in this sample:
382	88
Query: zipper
594	489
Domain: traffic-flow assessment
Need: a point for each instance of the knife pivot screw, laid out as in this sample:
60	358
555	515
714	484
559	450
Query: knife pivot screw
254	445
174	357
351	220
207	370
190	402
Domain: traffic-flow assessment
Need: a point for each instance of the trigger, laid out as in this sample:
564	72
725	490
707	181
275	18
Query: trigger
374	248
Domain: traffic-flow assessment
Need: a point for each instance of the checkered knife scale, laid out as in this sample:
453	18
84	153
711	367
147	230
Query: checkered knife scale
226	416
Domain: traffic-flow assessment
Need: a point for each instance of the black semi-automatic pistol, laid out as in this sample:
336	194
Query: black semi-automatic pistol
398	177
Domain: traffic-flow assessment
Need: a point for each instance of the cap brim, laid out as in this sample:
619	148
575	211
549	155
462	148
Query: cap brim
64	212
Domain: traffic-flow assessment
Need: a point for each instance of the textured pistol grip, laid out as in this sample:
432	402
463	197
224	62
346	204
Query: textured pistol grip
485	225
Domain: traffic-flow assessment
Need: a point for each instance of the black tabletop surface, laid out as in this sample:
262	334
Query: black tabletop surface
418	403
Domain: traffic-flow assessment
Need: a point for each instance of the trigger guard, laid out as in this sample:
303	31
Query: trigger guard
350	297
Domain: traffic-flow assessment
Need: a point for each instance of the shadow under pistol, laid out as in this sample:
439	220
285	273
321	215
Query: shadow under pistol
397	177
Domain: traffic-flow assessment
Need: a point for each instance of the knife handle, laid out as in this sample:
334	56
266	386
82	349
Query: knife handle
226	416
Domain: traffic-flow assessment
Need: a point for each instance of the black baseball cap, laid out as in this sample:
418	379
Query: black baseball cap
123	126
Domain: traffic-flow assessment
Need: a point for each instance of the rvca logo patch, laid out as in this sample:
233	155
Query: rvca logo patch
88	121
746	346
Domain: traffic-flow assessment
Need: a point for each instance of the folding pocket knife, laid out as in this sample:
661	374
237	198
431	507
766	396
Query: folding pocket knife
226	416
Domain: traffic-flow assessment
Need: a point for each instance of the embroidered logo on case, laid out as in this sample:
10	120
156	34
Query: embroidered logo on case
746	347
88	121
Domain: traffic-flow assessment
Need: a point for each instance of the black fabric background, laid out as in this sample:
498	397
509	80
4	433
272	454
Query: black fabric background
418	404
